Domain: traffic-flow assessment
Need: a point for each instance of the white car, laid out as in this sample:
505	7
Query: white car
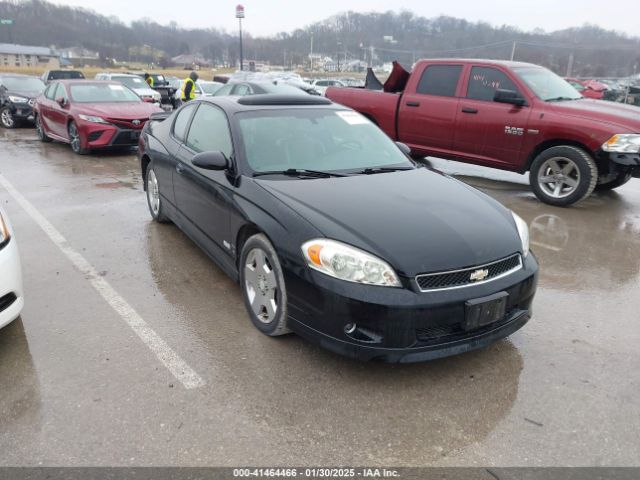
322	84
11	296
135	83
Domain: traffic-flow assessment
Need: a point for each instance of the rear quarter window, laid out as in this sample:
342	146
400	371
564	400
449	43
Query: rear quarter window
440	80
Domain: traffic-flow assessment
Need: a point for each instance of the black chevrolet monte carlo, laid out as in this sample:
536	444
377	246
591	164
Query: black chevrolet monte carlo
334	233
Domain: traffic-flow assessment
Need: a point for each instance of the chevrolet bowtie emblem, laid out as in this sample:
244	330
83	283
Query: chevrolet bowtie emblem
479	275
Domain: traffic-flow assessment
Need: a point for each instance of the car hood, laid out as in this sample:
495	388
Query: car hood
145	91
618	114
24	93
118	110
419	220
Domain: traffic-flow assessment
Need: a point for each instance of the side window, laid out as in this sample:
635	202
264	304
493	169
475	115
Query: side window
242	90
50	92
182	121
209	131
61	92
224	90
440	80
484	81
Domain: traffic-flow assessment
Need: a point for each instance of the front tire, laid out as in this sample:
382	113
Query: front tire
563	175
154	200
75	140
615	181
263	287
6	118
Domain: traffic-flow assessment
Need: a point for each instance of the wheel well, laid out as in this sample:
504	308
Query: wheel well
144	161
557	143
244	234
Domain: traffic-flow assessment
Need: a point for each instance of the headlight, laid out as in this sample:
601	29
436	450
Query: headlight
4	230
523	231
92	119
623	143
14	99
348	263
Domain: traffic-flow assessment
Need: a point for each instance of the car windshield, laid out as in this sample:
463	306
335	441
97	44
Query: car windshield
210	88
66	75
316	139
131	82
102	93
23	84
547	85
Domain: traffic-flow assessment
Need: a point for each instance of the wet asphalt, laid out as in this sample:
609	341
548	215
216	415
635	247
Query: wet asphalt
78	387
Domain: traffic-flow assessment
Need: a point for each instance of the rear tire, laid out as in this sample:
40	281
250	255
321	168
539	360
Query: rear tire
6	118
75	140
615	182
563	175
40	131
263	288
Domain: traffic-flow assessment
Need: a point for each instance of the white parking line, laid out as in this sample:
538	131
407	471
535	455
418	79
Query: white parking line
169	358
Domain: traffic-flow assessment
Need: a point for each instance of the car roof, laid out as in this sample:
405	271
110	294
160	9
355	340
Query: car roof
234	104
482	61
17	75
82	81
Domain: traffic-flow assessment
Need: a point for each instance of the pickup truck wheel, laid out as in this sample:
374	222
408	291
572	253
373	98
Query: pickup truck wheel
609	182
563	175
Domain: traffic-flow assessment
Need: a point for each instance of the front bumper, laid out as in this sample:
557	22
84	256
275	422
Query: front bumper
22	112
103	135
403	325
629	162
11	293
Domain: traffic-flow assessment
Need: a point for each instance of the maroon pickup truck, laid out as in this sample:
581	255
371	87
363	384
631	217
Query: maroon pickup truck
508	115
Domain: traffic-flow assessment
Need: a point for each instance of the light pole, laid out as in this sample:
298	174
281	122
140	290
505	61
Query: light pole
240	16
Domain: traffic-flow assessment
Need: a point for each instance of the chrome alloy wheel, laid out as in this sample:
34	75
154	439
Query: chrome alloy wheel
7	118
261	285
74	137
559	177
153	192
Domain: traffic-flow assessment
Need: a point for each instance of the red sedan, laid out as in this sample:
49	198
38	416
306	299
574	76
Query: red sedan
91	114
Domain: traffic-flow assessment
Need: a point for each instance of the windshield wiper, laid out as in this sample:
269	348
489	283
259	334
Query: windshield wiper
372	170
300	172
561	99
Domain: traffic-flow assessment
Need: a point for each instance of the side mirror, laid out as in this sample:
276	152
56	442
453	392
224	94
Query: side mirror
61	101
509	96
404	148
211	161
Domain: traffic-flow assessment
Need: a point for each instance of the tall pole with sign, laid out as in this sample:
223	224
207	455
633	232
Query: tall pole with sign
240	16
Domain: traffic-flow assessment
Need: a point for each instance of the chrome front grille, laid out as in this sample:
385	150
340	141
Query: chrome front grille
469	276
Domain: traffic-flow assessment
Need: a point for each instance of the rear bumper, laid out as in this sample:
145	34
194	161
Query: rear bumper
11	294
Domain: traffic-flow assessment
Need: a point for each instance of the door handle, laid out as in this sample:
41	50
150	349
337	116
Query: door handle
179	168
469	110
413	104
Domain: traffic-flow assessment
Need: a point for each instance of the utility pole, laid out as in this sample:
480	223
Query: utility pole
513	50
311	54
240	16
570	65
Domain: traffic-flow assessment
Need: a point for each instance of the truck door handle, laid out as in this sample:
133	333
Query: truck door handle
179	168
413	104
469	110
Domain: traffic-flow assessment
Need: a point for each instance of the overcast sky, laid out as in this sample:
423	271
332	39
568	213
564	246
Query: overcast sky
273	16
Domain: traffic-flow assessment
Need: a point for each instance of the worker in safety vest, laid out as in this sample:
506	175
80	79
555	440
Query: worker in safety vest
149	79
189	87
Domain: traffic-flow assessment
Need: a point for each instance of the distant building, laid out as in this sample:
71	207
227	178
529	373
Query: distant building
80	57
12	55
191	61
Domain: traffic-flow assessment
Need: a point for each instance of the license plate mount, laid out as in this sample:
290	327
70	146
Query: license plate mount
484	311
